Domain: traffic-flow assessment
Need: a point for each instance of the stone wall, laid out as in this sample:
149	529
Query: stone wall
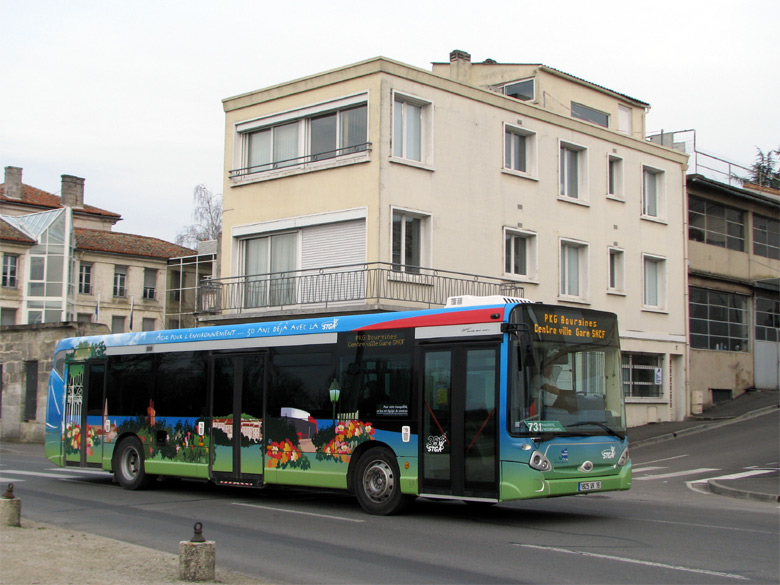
20	345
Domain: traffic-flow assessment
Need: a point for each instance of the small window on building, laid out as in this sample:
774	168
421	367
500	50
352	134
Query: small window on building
767	317
150	283
615	176
574	269
766	237
7	316
412	129
147	324
652	192
120	281
589	114
117	324
654	282
521	90
31	391
573	172
718	320
520	253
10	268
643	375
407	241
85	278
519	150
716	224
616	271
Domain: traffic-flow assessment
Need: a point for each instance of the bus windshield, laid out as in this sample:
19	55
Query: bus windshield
565	381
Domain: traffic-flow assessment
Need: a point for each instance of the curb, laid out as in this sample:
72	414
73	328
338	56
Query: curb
719	488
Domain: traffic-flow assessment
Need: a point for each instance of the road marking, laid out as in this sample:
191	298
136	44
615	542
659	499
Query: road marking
678	473
739	475
636	562
84	471
41	474
650	468
274	509
4	479
665	459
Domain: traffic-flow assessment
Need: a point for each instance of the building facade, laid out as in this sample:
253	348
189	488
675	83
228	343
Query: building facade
520	175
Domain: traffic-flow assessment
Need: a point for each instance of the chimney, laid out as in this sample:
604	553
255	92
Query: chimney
460	66
13	182
72	191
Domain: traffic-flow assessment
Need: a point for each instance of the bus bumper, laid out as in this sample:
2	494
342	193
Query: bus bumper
520	482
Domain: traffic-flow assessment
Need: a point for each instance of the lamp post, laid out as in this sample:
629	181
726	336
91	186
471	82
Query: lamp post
335	392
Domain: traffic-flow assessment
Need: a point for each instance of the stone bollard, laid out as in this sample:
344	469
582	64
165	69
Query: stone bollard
197	557
10	508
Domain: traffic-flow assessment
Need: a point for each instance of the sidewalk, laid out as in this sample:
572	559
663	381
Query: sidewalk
764	487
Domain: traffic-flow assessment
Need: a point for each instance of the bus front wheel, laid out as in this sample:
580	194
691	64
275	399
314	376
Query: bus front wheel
377	483
129	465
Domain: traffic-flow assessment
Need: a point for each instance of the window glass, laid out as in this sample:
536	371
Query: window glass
354	129
285	143
300	379
569	172
323	137
515	152
521	90
642	375
718	320
130	385
181	384
589	114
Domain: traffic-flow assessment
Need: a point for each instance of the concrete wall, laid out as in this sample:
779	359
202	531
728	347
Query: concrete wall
30	343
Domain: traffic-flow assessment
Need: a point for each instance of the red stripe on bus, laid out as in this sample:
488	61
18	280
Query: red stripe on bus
443	318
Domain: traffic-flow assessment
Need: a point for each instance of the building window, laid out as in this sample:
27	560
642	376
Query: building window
520	90
10	268
589	114
520	254
31	390
718	320
766	237
642	375
654	271
150	283
625	123
716	224
268	263
320	132
120	281
407	241
615	176
574	269
117	324
767	318
652	192
147	324
519	150
411	128
7	316
617	282
573	171
85	278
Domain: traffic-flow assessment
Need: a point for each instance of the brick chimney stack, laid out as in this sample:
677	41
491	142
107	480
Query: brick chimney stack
13	182
72	191
460	66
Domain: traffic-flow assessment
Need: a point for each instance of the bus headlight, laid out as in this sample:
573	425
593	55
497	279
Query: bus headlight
623	458
539	461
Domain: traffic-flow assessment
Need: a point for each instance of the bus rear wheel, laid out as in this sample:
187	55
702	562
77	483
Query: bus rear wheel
377	483
129	465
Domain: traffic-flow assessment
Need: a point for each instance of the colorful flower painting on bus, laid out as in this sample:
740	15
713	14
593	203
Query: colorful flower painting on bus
182	444
285	455
74	439
338	444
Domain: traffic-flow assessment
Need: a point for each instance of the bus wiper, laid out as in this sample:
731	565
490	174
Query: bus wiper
607	428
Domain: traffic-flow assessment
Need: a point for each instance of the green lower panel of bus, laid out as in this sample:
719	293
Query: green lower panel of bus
520	482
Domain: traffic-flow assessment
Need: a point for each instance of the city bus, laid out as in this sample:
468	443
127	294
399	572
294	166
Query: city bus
488	400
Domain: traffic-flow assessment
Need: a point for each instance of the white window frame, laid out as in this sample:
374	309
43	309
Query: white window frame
86	277
119	287
425	234
625	120
531	255
400	153
615	181
660	283
584	111
504	87
564	272
530	151
660	193
564	194
616	271
302	117
10	271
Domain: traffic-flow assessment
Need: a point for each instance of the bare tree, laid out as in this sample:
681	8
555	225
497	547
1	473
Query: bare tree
207	218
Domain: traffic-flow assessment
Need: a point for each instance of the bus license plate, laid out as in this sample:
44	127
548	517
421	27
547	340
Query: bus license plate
587	486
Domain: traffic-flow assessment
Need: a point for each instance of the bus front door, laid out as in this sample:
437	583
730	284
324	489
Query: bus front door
459	421
237	384
83	439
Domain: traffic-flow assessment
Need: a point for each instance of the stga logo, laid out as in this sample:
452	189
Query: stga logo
564	456
609	453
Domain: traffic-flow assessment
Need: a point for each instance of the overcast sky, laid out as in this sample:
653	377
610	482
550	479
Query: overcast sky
129	94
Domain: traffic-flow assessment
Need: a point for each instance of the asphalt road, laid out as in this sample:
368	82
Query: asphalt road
667	529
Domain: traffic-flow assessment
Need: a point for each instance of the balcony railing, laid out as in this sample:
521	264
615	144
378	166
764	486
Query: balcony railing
341	286
301	161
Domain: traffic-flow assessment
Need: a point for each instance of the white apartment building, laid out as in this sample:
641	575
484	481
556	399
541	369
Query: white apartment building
379	186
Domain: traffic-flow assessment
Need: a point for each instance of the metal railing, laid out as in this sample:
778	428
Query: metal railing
301	161
335	286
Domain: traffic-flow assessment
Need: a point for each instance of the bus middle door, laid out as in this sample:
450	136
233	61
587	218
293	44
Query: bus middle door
237	384
84	433
459	421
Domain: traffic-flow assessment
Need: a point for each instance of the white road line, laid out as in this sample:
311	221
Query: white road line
637	562
41	474
274	509
678	473
665	459
84	471
738	475
642	469
4	480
